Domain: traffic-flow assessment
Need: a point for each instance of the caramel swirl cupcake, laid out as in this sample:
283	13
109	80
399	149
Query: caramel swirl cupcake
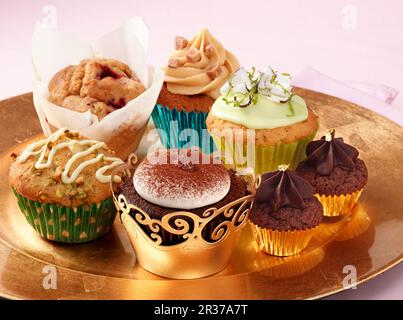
62	184
336	173
285	213
195	73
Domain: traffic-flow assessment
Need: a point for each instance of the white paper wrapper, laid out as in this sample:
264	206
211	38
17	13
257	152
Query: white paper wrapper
53	51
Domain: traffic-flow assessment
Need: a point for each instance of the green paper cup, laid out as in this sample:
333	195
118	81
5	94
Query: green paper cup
181	129
68	225
262	159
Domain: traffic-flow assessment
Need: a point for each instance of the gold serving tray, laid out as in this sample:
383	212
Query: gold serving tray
370	238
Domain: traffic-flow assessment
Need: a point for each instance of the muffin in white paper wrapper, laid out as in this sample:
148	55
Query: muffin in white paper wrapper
121	129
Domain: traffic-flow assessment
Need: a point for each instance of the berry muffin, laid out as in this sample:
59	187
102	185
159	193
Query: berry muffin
337	174
102	86
62	184
285	213
258	122
97	85
196	71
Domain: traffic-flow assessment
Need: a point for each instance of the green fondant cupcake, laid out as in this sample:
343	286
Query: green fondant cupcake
258	122
62	184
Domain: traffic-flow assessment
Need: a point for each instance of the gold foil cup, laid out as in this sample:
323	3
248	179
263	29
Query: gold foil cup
334	206
281	243
205	244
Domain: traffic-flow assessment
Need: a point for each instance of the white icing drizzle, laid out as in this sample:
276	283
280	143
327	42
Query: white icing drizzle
40	147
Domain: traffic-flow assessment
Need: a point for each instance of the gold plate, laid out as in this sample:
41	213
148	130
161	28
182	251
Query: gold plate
370	239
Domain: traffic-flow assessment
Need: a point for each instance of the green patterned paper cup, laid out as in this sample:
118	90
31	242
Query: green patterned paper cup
261	158
181	129
68	225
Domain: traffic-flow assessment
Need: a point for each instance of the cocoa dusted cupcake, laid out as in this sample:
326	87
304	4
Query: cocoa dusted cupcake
285	213
195	73
337	174
175	180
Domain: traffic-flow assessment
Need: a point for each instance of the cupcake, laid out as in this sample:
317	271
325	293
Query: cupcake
62	184
195	73
336	173
285	213
183	208
258	122
99	86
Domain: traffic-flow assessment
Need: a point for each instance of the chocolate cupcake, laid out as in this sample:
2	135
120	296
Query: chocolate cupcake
182	181
337	174
62	184
186	208
285	213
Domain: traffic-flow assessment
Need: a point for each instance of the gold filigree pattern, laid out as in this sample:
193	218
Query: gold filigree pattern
183	224
182	244
234	214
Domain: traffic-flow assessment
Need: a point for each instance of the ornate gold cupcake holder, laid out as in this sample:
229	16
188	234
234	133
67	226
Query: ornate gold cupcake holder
197	255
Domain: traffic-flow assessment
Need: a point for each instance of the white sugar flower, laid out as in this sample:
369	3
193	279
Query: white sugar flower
226	88
276	86
241	82
240	77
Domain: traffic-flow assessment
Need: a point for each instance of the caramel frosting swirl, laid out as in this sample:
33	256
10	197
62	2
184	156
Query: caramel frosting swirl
199	66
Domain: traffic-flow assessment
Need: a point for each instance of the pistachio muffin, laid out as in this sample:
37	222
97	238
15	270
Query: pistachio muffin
285	213
336	173
258	122
97	85
62	184
195	73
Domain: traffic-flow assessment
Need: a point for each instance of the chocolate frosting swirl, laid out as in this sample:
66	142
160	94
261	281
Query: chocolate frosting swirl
330	152
283	188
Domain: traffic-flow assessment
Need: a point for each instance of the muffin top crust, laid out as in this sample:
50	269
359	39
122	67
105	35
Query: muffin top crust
97	85
65	168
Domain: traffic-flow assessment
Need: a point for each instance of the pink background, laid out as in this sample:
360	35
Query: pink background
288	35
